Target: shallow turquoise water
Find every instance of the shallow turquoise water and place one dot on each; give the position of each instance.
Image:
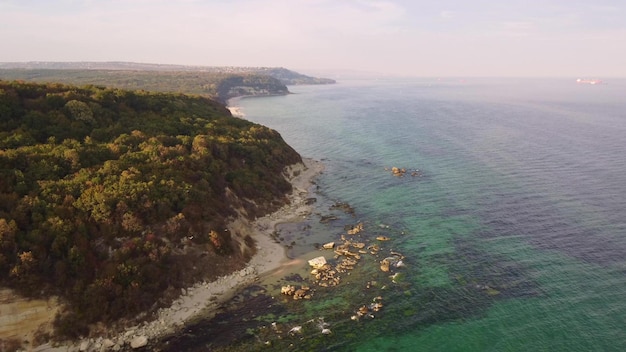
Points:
(514, 234)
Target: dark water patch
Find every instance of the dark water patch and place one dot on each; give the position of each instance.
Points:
(491, 273)
(231, 326)
(546, 224)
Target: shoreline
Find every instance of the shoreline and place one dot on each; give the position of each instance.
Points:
(237, 111)
(204, 298)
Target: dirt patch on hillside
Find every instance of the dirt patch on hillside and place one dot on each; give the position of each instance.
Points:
(27, 321)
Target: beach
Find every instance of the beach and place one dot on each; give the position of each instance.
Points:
(204, 297)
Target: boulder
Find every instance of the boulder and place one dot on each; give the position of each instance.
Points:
(384, 265)
(138, 342)
(318, 262)
(329, 245)
(84, 346)
(108, 343)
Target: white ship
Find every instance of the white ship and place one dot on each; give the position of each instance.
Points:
(588, 81)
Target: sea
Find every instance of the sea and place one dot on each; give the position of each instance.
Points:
(509, 223)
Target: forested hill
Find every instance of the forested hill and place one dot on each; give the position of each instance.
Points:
(113, 199)
(286, 76)
(217, 85)
(221, 83)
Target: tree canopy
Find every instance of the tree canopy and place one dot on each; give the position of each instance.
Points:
(102, 189)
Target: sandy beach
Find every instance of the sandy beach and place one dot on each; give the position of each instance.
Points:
(203, 298)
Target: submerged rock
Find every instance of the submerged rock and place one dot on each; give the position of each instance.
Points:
(356, 229)
(295, 329)
(384, 265)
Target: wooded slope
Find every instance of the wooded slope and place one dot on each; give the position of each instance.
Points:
(106, 195)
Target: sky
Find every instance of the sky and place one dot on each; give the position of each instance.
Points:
(474, 38)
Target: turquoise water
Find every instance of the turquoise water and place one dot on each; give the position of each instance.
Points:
(514, 233)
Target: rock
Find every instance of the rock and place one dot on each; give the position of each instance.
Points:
(376, 306)
(374, 249)
(329, 245)
(384, 265)
(383, 238)
(395, 277)
(138, 342)
(288, 290)
(398, 172)
(318, 262)
(296, 329)
(107, 343)
(328, 218)
(84, 346)
(300, 293)
(356, 229)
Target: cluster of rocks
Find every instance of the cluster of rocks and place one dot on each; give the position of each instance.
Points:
(129, 339)
(368, 310)
(345, 207)
(317, 324)
(325, 275)
(304, 292)
(356, 229)
(400, 172)
(395, 261)
(348, 252)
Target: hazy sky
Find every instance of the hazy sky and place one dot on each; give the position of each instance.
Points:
(416, 37)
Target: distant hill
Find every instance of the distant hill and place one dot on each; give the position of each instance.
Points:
(286, 76)
(216, 85)
(289, 77)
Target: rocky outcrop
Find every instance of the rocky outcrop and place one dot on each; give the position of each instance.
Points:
(249, 85)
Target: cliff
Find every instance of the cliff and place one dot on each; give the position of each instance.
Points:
(249, 85)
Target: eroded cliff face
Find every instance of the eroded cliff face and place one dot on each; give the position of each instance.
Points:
(25, 320)
(250, 85)
(241, 227)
